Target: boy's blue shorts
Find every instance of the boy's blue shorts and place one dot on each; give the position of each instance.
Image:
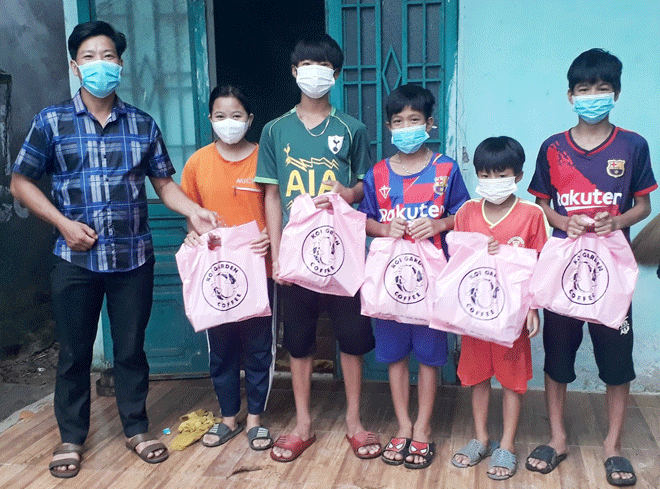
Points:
(395, 341)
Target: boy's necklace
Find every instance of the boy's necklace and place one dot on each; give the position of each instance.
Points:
(425, 158)
(327, 121)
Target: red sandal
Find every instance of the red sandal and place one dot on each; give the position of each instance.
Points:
(294, 444)
(362, 440)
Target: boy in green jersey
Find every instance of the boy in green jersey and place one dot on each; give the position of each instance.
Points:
(315, 148)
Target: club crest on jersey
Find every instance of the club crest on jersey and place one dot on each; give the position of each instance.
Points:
(480, 294)
(224, 285)
(323, 251)
(335, 143)
(586, 278)
(440, 184)
(405, 279)
(516, 241)
(615, 168)
(384, 191)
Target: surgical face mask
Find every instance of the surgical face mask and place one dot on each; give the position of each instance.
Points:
(100, 77)
(409, 139)
(496, 190)
(230, 131)
(315, 80)
(593, 108)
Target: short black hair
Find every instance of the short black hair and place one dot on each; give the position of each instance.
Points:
(229, 91)
(91, 29)
(413, 96)
(499, 153)
(594, 65)
(318, 46)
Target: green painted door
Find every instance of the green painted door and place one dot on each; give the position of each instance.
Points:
(387, 44)
(165, 74)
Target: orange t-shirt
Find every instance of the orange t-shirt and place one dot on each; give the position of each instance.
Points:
(226, 187)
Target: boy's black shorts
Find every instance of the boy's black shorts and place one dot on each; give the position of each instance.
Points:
(300, 309)
(562, 336)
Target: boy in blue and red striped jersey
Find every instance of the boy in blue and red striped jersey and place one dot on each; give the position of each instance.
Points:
(414, 194)
(600, 171)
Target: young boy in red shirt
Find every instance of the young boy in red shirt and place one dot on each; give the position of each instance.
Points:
(509, 220)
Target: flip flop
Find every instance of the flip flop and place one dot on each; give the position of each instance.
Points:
(619, 464)
(548, 455)
(364, 439)
(294, 444)
(475, 452)
(133, 442)
(504, 459)
(223, 432)
(422, 449)
(397, 445)
(68, 473)
(259, 433)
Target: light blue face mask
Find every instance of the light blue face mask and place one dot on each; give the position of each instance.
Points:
(593, 108)
(409, 139)
(100, 77)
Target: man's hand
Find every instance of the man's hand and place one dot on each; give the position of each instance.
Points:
(203, 220)
(493, 246)
(396, 228)
(605, 223)
(276, 274)
(423, 228)
(78, 236)
(532, 322)
(577, 225)
(322, 201)
(260, 245)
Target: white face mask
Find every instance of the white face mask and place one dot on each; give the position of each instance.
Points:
(496, 190)
(230, 131)
(315, 80)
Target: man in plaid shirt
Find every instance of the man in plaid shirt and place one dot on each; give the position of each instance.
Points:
(98, 151)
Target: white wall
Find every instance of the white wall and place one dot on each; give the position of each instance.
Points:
(512, 62)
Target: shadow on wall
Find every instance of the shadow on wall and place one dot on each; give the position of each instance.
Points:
(34, 55)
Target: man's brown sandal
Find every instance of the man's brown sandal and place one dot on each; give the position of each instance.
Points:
(153, 446)
(65, 462)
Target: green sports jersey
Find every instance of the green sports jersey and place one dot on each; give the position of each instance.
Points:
(298, 160)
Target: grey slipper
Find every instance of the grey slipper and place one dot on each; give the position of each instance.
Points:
(505, 459)
(475, 451)
(259, 433)
(223, 432)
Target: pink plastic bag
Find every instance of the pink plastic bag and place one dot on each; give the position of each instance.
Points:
(324, 249)
(401, 272)
(590, 278)
(227, 284)
(481, 295)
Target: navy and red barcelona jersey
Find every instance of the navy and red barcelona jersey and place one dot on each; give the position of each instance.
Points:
(435, 192)
(606, 178)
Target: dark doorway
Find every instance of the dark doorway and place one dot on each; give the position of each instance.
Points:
(253, 42)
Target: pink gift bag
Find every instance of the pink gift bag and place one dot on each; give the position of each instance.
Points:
(590, 278)
(324, 249)
(401, 274)
(481, 295)
(227, 284)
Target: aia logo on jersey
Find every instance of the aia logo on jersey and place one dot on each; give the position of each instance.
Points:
(480, 294)
(384, 191)
(516, 241)
(615, 168)
(323, 251)
(335, 143)
(440, 184)
(585, 279)
(224, 285)
(405, 279)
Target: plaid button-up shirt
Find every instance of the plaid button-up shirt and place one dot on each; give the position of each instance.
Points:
(98, 177)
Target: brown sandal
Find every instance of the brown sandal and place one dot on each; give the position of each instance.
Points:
(133, 442)
(65, 462)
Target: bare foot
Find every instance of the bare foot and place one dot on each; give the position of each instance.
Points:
(302, 431)
(353, 429)
(421, 434)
